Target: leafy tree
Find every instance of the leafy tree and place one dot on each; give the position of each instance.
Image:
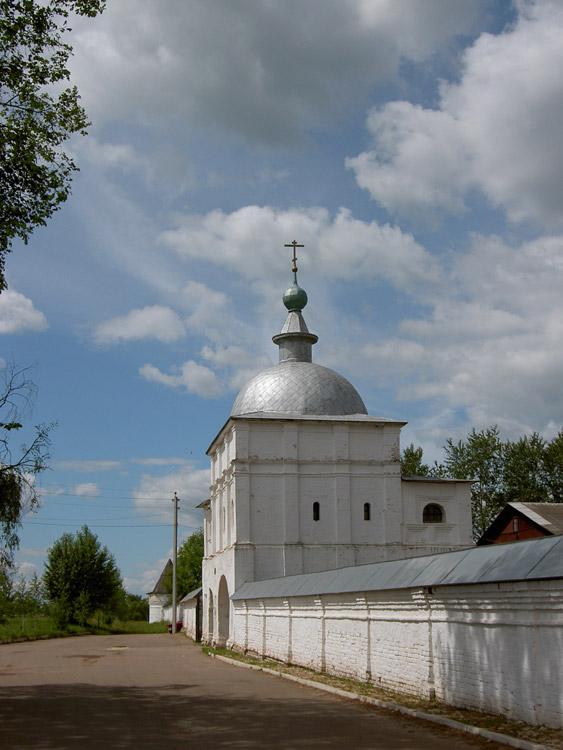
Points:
(36, 114)
(81, 577)
(135, 607)
(18, 469)
(553, 468)
(5, 592)
(412, 465)
(523, 470)
(27, 598)
(19, 598)
(411, 462)
(479, 458)
(188, 565)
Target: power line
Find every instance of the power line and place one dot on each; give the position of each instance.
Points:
(132, 497)
(116, 518)
(108, 526)
(104, 489)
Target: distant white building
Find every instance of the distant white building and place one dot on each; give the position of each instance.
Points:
(159, 598)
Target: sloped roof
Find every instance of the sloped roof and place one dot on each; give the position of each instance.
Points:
(546, 516)
(519, 561)
(549, 515)
(160, 588)
(192, 595)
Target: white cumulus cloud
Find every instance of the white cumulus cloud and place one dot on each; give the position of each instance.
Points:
(497, 129)
(490, 345)
(236, 240)
(264, 71)
(18, 314)
(88, 466)
(155, 493)
(87, 489)
(195, 378)
(153, 322)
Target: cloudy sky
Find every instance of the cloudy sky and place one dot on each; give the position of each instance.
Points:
(413, 147)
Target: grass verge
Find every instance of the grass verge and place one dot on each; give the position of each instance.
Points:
(552, 738)
(31, 628)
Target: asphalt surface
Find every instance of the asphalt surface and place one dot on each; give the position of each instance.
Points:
(161, 691)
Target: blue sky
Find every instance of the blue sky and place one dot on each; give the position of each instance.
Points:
(413, 147)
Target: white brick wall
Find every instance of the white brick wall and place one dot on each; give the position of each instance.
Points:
(190, 611)
(494, 647)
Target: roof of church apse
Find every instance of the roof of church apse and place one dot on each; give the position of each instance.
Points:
(297, 385)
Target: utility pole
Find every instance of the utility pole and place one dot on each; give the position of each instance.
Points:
(174, 561)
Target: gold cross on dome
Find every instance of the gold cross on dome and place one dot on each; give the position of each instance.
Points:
(294, 245)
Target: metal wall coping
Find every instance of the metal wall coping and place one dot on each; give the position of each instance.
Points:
(529, 560)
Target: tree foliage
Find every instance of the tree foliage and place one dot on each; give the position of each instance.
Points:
(18, 467)
(479, 457)
(553, 467)
(20, 597)
(134, 607)
(526, 470)
(81, 577)
(411, 462)
(188, 565)
(413, 466)
(36, 115)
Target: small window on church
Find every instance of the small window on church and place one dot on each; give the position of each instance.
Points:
(316, 511)
(432, 513)
(367, 512)
(515, 525)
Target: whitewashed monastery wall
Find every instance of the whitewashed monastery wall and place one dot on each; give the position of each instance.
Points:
(494, 647)
(189, 618)
(157, 605)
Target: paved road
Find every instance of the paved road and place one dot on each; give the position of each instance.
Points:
(161, 691)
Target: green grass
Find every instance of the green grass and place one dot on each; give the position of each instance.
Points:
(35, 626)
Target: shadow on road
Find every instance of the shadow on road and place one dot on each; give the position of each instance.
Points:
(89, 716)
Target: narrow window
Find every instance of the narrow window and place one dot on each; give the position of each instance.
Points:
(316, 511)
(367, 512)
(515, 524)
(432, 513)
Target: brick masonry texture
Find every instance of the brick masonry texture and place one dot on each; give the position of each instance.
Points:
(493, 647)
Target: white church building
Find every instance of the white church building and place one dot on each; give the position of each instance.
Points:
(303, 479)
(318, 551)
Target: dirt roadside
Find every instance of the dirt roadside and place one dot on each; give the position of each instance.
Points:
(519, 730)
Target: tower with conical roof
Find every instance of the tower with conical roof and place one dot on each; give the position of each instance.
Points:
(303, 479)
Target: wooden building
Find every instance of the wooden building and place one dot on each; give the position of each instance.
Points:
(518, 521)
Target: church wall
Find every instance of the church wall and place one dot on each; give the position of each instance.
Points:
(455, 500)
(268, 561)
(267, 476)
(281, 468)
(266, 508)
(477, 646)
(317, 487)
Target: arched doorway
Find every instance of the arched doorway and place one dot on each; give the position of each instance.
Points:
(223, 607)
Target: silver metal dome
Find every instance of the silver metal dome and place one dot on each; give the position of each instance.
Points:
(299, 388)
(297, 385)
